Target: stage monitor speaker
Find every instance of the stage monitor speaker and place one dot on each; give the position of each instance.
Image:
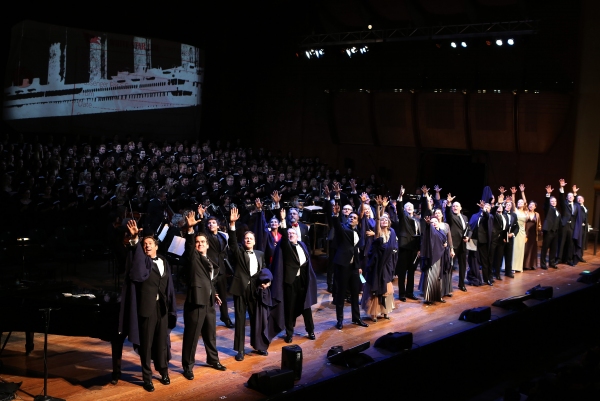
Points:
(588, 277)
(540, 293)
(476, 315)
(291, 358)
(273, 381)
(395, 342)
(513, 303)
(352, 357)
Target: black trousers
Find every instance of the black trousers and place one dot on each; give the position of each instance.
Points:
(293, 298)
(242, 304)
(549, 243)
(346, 279)
(199, 320)
(405, 269)
(153, 343)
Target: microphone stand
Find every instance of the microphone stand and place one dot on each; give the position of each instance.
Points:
(46, 397)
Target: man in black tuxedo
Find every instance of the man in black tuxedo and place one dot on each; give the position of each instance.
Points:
(217, 254)
(408, 228)
(512, 229)
(550, 228)
(199, 315)
(346, 263)
(568, 224)
(248, 264)
(148, 309)
(294, 276)
(460, 232)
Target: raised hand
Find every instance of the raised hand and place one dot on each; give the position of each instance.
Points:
(522, 188)
(450, 198)
(233, 215)
(437, 188)
(275, 196)
(258, 204)
(549, 189)
(133, 228)
(562, 182)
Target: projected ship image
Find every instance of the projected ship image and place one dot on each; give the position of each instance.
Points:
(146, 87)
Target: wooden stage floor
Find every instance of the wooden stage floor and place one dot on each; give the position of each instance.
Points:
(80, 368)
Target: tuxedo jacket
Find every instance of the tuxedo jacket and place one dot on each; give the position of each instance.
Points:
(201, 287)
(241, 275)
(455, 221)
(552, 217)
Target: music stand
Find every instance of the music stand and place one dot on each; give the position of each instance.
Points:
(46, 397)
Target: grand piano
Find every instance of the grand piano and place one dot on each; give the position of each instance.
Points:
(74, 312)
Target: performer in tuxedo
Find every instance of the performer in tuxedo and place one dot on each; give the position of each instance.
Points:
(217, 254)
(569, 230)
(584, 225)
(295, 282)
(199, 315)
(461, 232)
(248, 264)
(408, 228)
(550, 228)
(512, 225)
(346, 263)
(148, 307)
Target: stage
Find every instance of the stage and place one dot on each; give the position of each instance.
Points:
(449, 358)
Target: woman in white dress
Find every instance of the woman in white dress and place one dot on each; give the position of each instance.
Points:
(520, 238)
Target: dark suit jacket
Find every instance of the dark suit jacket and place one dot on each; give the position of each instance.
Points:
(241, 276)
(201, 288)
(456, 227)
(551, 220)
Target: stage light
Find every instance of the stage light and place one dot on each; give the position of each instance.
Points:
(463, 44)
(453, 44)
(510, 42)
(499, 42)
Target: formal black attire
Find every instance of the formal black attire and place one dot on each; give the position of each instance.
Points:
(199, 315)
(346, 265)
(148, 310)
(459, 229)
(550, 229)
(217, 254)
(293, 283)
(243, 288)
(408, 228)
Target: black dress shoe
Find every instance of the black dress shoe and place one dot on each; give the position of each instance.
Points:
(489, 282)
(360, 323)
(403, 299)
(413, 297)
(311, 336)
(188, 374)
(115, 378)
(339, 325)
(218, 366)
(228, 323)
(240, 356)
(260, 352)
(288, 338)
(165, 379)
(149, 387)
(463, 288)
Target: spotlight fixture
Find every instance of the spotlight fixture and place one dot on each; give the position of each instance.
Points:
(314, 53)
(510, 42)
(463, 44)
(453, 44)
(499, 42)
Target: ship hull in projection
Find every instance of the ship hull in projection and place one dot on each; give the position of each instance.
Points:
(145, 88)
